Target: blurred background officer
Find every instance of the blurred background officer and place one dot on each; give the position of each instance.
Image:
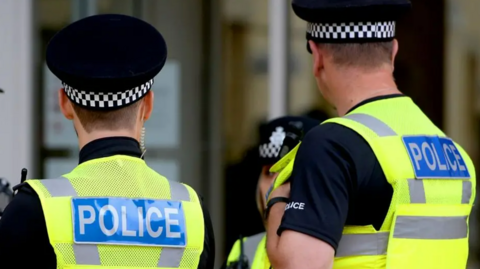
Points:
(242, 180)
(112, 210)
(382, 174)
(272, 136)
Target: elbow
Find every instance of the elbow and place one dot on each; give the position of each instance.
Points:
(275, 262)
(275, 256)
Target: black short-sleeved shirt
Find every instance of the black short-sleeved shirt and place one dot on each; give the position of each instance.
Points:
(336, 181)
(23, 233)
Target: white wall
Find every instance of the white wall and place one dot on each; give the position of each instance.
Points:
(16, 76)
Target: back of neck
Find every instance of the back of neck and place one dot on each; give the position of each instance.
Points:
(360, 87)
(85, 138)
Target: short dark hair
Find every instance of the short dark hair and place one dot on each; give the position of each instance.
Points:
(112, 120)
(367, 55)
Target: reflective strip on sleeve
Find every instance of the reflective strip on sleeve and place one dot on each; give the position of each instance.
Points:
(59, 187)
(374, 124)
(362, 244)
(178, 191)
(431, 227)
(250, 247)
(170, 257)
(86, 254)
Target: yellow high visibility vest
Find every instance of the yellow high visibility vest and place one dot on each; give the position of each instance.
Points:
(254, 249)
(116, 212)
(434, 184)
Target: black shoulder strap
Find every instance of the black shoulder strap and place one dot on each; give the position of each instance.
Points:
(24, 187)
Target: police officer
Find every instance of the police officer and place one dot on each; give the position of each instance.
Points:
(272, 135)
(112, 210)
(380, 186)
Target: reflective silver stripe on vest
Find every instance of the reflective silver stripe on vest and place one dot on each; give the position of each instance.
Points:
(431, 227)
(89, 254)
(417, 191)
(406, 227)
(374, 124)
(86, 254)
(466, 192)
(59, 187)
(170, 257)
(178, 191)
(362, 244)
(250, 247)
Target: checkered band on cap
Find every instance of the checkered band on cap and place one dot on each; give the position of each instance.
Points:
(107, 100)
(351, 31)
(271, 149)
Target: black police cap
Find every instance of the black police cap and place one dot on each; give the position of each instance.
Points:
(106, 61)
(350, 21)
(273, 133)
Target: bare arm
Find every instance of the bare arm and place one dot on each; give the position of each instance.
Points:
(305, 233)
(293, 249)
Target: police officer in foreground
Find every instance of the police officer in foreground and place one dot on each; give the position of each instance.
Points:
(380, 186)
(250, 252)
(112, 210)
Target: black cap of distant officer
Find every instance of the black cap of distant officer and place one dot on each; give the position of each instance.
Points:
(350, 21)
(273, 133)
(106, 62)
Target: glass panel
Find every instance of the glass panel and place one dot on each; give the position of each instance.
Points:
(58, 142)
(53, 14)
(116, 6)
(174, 132)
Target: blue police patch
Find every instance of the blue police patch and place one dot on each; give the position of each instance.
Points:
(122, 221)
(435, 157)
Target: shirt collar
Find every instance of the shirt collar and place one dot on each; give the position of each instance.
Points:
(373, 99)
(110, 146)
